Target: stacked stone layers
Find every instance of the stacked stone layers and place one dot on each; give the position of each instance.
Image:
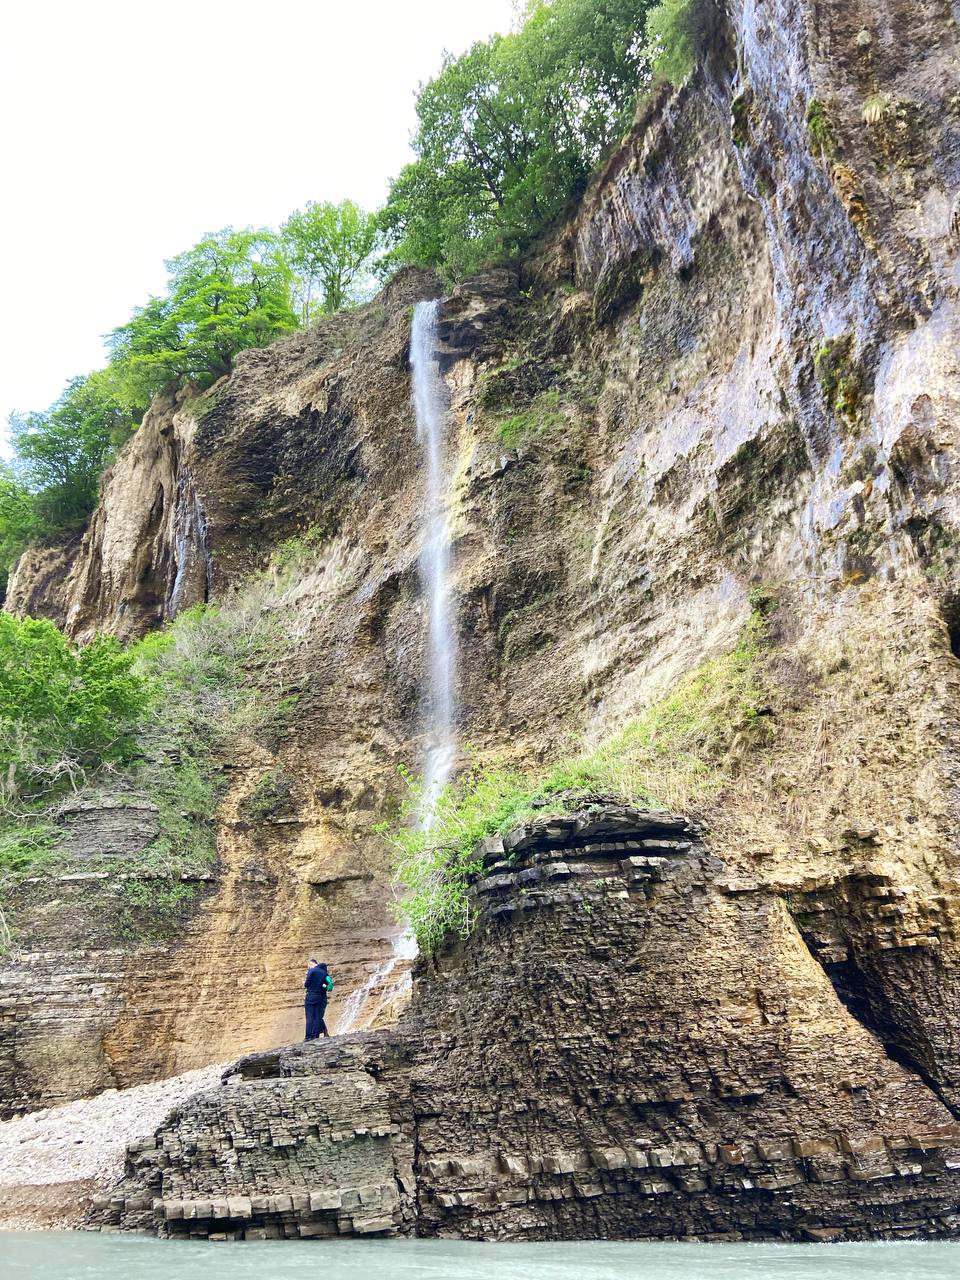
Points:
(269, 1157)
(631, 1043)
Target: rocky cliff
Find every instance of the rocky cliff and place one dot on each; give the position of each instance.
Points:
(632, 1043)
(733, 369)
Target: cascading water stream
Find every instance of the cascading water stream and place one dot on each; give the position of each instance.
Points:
(430, 406)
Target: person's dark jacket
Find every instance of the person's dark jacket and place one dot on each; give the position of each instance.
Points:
(316, 985)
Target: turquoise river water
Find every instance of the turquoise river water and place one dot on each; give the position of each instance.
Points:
(55, 1255)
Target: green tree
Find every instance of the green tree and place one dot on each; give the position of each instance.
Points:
(328, 247)
(60, 454)
(229, 292)
(510, 131)
(18, 520)
(64, 712)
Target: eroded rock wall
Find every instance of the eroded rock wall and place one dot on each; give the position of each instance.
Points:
(633, 1042)
(737, 369)
(145, 555)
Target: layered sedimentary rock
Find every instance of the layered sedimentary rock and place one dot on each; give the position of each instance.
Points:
(633, 1042)
(112, 994)
(145, 555)
(737, 367)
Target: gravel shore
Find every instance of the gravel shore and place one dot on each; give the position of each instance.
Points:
(84, 1141)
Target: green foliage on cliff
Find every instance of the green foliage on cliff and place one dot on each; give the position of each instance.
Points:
(229, 292)
(52, 484)
(26, 846)
(433, 863)
(820, 127)
(203, 670)
(677, 33)
(149, 723)
(328, 248)
(271, 796)
(677, 754)
(543, 416)
(510, 131)
(152, 909)
(65, 711)
(839, 376)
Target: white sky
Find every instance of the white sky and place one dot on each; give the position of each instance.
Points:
(131, 128)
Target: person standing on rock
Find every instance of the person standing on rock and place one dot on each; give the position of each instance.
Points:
(317, 984)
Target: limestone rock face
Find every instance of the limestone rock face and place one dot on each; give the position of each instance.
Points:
(733, 368)
(145, 555)
(632, 1043)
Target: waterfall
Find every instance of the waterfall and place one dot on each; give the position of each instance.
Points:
(193, 566)
(364, 1004)
(381, 988)
(430, 405)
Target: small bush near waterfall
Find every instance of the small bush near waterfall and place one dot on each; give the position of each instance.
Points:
(676, 755)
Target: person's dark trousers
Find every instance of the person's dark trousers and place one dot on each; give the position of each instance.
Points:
(315, 1023)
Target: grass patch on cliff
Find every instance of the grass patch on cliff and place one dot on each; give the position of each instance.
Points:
(26, 846)
(271, 797)
(153, 722)
(152, 910)
(543, 416)
(839, 376)
(206, 669)
(820, 128)
(677, 754)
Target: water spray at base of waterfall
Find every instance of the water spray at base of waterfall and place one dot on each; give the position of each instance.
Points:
(382, 989)
(365, 1005)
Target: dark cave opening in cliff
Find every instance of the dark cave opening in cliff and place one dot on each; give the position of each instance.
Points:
(868, 1003)
(951, 615)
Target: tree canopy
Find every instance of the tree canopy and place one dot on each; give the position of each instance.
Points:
(52, 483)
(510, 131)
(61, 453)
(328, 248)
(229, 292)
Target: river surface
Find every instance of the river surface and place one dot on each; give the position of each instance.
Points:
(65, 1255)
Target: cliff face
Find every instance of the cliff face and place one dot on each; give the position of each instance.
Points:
(145, 555)
(632, 1043)
(734, 367)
